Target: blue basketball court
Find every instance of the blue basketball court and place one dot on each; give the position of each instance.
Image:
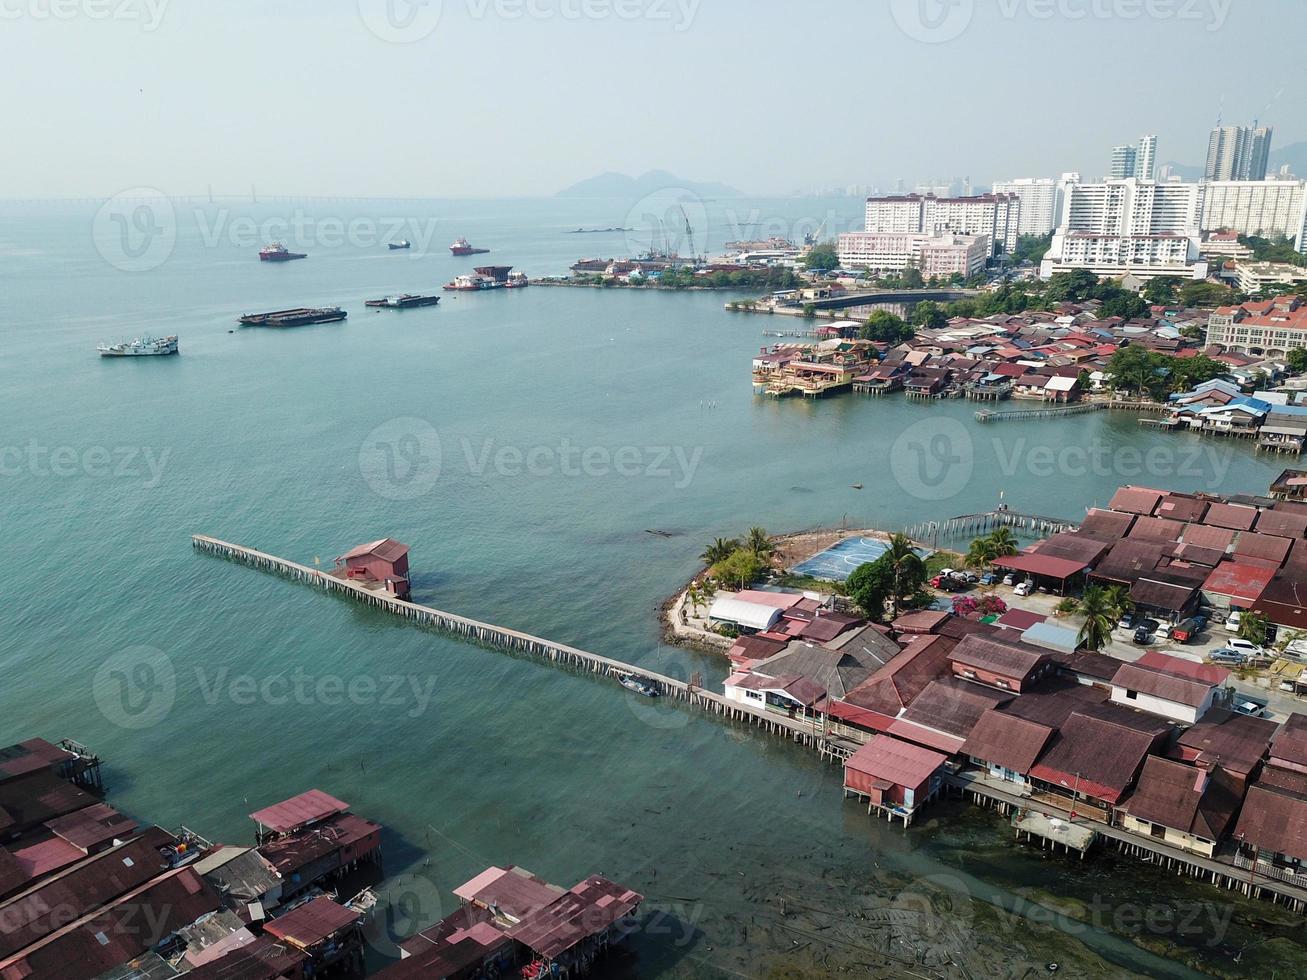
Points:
(837, 562)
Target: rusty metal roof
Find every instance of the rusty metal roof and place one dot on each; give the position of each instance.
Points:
(299, 811)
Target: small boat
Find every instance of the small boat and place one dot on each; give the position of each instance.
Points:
(141, 347)
(402, 243)
(856, 486)
(639, 686)
(277, 252)
(462, 247)
(402, 302)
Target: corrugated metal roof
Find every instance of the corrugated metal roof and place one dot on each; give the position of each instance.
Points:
(312, 923)
(897, 761)
(1045, 565)
(298, 811)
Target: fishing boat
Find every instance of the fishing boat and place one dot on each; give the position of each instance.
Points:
(639, 686)
(141, 347)
(404, 301)
(402, 243)
(277, 252)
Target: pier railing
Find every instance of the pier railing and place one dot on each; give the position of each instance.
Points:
(1058, 411)
(977, 525)
(515, 641)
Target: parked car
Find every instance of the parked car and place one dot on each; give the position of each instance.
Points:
(989, 578)
(1296, 650)
(1246, 705)
(1025, 588)
(1127, 622)
(1227, 657)
(1009, 580)
(1246, 647)
(1143, 636)
(1232, 622)
(1184, 631)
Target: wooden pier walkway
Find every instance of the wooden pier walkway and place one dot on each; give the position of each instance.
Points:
(976, 525)
(804, 732)
(1060, 411)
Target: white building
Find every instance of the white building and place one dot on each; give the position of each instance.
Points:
(1238, 153)
(996, 216)
(934, 255)
(1138, 160)
(1266, 208)
(1129, 227)
(1254, 277)
(1039, 197)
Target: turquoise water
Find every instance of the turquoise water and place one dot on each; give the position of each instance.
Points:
(523, 443)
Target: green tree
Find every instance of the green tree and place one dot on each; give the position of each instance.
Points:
(980, 554)
(885, 327)
(907, 570)
(759, 543)
(823, 257)
(928, 313)
(741, 568)
(719, 550)
(1297, 360)
(1096, 630)
(1162, 290)
(1205, 294)
(912, 278)
(1002, 543)
(1031, 248)
(869, 586)
(1253, 627)
(1118, 598)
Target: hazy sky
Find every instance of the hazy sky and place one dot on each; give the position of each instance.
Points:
(522, 97)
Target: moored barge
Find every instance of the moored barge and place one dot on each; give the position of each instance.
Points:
(277, 252)
(294, 318)
(405, 301)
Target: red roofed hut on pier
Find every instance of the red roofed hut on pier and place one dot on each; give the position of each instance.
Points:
(383, 562)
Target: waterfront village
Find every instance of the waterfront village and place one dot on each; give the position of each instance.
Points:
(88, 892)
(1130, 679)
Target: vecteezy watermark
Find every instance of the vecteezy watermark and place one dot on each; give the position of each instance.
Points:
(138, 688)
(402, 459)
(147, 13)
(135, 688)
(936, 458)
(933, 459)
(1191, 461)
(99, 462)
(304, 230)
(136, 229)
(409, 21)
(940, 21)
(407, 904)
(665, 223)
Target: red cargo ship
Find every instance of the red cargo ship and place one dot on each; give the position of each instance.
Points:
(461, 247)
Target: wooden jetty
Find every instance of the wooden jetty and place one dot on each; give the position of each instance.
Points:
(806, 732)
(976, 525)
(1232, 875)
(1059, 411)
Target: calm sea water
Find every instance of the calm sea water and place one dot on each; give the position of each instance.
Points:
(524, 443)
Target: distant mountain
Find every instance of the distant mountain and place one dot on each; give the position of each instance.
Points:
(612, 185)
(1295, 155)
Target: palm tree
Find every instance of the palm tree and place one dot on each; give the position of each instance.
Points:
(1252, 627)
(719, 550)
(759, 543)
(1096, 631)
(980, 554)
(1118, 596)
(1003, 543)
(909, 569)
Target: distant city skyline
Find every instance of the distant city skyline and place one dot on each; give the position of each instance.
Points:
(498, 98)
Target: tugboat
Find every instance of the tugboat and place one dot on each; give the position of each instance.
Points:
(405, 301)
(277, 252)
(294, 318)
(461, 247)
(402, 243)
(141, 347)
(638, 686)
